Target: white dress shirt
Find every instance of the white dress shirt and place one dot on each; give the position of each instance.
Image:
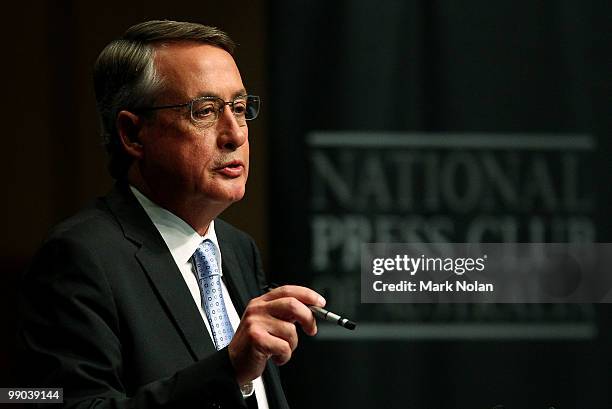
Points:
(182, 241)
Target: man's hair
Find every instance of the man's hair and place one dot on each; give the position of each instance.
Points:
(125, 76)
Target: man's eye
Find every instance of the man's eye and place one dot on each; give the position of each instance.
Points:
(239, 108)
(203, 111)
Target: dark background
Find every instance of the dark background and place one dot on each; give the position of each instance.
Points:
(394, 66)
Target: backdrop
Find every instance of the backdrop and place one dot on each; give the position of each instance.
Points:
(420, 121)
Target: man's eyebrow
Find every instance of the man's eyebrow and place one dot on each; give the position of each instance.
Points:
(212, 94)
(239, 93)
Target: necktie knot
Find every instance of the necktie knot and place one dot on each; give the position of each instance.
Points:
(206, 259)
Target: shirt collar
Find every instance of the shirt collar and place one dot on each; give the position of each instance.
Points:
(182, 240)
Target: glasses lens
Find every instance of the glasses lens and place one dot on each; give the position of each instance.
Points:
(252, 107)
(204, 111)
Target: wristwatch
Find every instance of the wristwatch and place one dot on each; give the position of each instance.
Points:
(247, 389)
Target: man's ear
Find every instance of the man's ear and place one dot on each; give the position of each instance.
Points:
(129, 127)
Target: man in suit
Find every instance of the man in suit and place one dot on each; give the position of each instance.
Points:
(146, 299)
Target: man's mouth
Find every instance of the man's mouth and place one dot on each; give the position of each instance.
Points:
(231, 169)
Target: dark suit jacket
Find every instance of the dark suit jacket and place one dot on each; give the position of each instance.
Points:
(107, 315)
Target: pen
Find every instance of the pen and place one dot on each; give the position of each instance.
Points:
(324, 314)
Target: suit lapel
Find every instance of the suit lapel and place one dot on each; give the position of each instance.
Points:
(174, 294)
(233, 277)
(160, 268)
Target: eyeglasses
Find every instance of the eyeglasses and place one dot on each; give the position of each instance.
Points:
(205, 110)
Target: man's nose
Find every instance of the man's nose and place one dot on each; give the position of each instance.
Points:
(231, 135)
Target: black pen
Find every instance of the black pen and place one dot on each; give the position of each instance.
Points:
(324, 314)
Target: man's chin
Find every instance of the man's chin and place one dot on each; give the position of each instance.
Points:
(223, 192)
(234, 195)
(237, 198)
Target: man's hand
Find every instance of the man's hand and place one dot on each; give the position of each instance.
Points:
(267, 329)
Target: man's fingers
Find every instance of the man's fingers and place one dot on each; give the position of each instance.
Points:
(291, 310)
(278, 348)
(284, 330)
(302, 294)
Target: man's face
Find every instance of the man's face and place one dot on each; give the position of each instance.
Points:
(191, 162)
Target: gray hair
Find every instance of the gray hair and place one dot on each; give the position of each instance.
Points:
(125, 76)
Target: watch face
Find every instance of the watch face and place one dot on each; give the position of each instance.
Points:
(247, 389)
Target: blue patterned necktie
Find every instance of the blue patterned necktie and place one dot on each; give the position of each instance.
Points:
(209, 280)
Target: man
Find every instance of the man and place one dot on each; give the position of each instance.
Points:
(124, 306)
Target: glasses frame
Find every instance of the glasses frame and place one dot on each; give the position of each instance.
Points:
(208, 98)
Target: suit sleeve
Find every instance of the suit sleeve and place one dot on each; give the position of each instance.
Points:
(70, 337)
